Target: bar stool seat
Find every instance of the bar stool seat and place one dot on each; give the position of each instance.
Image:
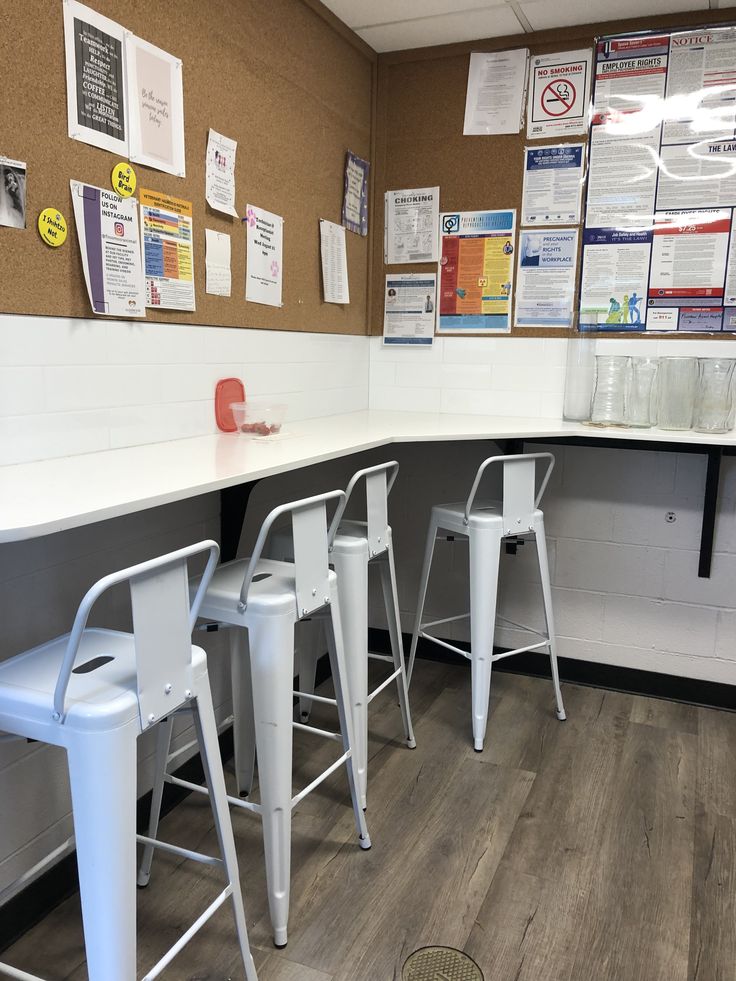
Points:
(93, 692)
(485, 523)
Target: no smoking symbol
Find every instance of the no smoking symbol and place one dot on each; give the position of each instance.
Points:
(558, 97)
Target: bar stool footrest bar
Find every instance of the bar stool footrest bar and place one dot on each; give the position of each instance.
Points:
(335, 736)
(318, 780)
(186, 937)
(384, 684)
(178, 850)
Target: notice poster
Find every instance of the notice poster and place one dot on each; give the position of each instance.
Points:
(264, 256)
(630, 74)
(109, 243)
(545, 288)
(355, 194)
(156, 106)
(408, 309)
(476, 272)
(411, 225)
(12, 193)
(220, 173)
(334, 262)
(553, 184)
(701, 98)
(168, 252)
(614, 279)
(494, 102)
(559, 94)
(95, 78)
(622, 176)
(217, 263)
(688, 268)
(699, 175)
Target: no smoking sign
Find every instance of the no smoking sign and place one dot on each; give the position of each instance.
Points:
(558, 94)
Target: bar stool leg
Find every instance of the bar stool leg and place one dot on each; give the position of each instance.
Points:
(351, 567)
(309, 649)
(337, 663)
(204, 722)
(272, 672)
(102, 774)
(485, 551)
(163, 744)
(244, 737)
(423, 582)
(393, 617)
(541, 543)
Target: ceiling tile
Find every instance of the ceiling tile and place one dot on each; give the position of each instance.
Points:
(545, 14)
(445, 29)
(358, 13)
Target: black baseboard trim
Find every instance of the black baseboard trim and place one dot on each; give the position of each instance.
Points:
(60, 881)
(710, 694)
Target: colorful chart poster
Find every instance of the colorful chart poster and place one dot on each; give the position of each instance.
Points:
(109, 243)
(408, 309)
(168, 252)
(658, 243)
(95, 78)
(476, 272)
(264, 256)
(355, 194)
(156, 106)
(494, 101)
(559, 94)
(411, 225)
(220, 173)
(553, 184)
(545, 288)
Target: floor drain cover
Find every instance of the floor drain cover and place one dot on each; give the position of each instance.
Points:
(440, 964)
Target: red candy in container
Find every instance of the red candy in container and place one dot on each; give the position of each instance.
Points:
(258, 417)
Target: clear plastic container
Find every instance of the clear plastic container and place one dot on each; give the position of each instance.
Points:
(641, 406)
(611, 372)
(258, 417)
(677, 381)
(714, 399)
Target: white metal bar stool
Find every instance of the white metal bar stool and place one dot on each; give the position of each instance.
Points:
(485, 525)
(123, 684)
(355, 547)
(265, 599)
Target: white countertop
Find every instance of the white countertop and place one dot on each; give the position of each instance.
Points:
(53, 495)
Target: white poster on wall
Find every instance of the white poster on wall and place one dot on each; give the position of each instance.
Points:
(411, 227)
(334, 257)
(156, 106)
(264, 256)
(220, 173)
(494, 102)
(553, 184)
(408, 309)
(545, 285)
(95, 78)
(559, 94)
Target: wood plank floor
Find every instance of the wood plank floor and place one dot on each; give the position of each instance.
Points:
(599, 849)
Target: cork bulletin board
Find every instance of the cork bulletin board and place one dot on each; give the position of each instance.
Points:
(420, 106)
(284, 78)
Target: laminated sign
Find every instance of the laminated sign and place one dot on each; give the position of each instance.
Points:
(559, 94)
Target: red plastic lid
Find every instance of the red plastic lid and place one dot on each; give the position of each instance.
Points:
(227, 391)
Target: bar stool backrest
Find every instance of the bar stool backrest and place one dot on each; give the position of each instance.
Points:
(378, 483)
(520, 497)
(163, 620)
(311, 554)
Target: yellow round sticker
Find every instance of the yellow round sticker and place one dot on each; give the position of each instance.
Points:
(123, 179)
(52, 227)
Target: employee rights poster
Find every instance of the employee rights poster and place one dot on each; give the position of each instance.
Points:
(476, 272)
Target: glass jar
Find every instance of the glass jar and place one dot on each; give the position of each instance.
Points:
(579, 375)
(640, 409)
(714, 398)
(609, 394)
(678, 379)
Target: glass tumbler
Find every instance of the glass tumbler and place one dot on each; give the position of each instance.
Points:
(579, 375)
(714, 398)
(609, 395)
(640, 393)
(678, 379)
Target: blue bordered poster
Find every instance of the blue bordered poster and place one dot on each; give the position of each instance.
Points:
(355, 194)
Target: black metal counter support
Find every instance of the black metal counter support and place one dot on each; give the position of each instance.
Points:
(233, 502)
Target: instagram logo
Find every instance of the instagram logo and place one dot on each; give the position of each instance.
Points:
(119, 229)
